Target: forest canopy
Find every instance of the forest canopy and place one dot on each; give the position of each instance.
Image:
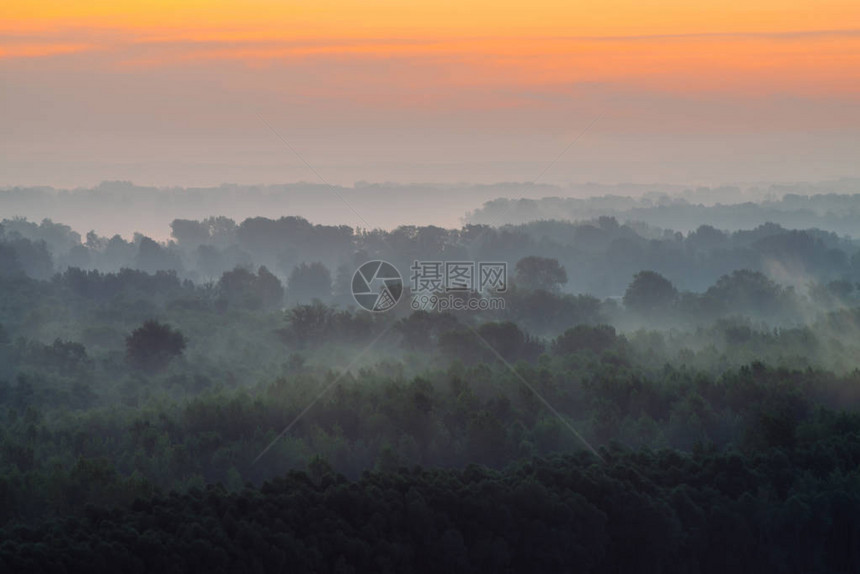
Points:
(643, 399)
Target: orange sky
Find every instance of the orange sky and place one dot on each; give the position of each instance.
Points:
(339, 18)
(147, 71)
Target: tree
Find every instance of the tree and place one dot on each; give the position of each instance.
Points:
(189, 233)
(152, 257)
(510, 341)
(583, 337)
(153, 345)
(545, 273)
(744, 291)
(10, 265)
(22, 255)
(464, 345)
(269, 288)
(706, 238)
(222, 230)
(308, 282)
(65, 356)
(549, 313)
(650, 293)
(308, 324)
(243, 288)
(421, 329)
(94, 242)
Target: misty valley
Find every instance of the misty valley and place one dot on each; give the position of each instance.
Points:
(423, 287)
(640, 399)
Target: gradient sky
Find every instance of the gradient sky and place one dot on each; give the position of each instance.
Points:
(188, 93)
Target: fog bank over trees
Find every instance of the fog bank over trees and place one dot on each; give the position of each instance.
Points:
(833, 206)
(161, 394)
(120, 207)
(598, 257)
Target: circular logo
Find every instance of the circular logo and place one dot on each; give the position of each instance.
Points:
(377, 286)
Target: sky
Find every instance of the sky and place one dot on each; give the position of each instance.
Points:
(263, 91)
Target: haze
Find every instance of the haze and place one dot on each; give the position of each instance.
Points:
(422, 287)
(190, 93)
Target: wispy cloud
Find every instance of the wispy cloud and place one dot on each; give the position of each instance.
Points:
(43, 50)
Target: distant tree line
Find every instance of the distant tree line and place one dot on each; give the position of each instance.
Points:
(597, 257)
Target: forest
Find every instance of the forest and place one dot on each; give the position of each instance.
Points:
(429, 287)
(646, 399)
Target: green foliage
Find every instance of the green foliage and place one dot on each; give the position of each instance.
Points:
(534, 272)
(650, 293)
(308, 282)
(736, 426)
(585, 338)
(240, 287)
(645, 511)
(153, 345)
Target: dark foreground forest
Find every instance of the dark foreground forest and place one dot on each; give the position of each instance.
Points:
(645, 401)
(771, 510)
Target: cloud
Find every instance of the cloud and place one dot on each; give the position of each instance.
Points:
(42, 50)
(804, 64)
(156, 93)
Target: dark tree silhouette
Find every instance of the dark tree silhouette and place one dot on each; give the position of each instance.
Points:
(308, 324)
(152, 257)
(582, 337)
(744, 291)
(650, 293)
(188, 232)
(240, 287)
(153, 345)
(545, 273)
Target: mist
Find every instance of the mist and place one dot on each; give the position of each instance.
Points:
(121, 207)
(430, 287)
(158, 343)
